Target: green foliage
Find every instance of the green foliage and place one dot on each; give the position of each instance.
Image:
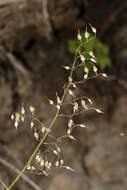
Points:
(100, 49)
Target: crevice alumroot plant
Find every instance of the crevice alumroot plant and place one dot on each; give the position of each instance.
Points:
(42, 161)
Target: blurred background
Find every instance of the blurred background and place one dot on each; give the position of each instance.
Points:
(37, 38)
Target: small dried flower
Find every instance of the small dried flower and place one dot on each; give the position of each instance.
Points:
(82, 57)
(43, 129)
(22, 118)
(87, 35)
(46, 163)
(28, 167)
(67, 67)
(48, 130)
(70, 79)
(74, 85)
(61, 161)
(90, 101)
(82, 126)
(58, 149)
(72, 137)
(91, 54)
(94, 68)
(69, 168)
(69, 131)
(36, 135)
(37, 157)
(58, 106)
(33, 168)
(12, 117)
(16, 124)
(44, 172)
(93, 60)
(32, 109)
(42, 162)
(76, 107)
(122, 134)
(23, 110)
(70, 123)
(71, 92)
(93, 29)
(57, 163)
(86, 76)
(99, 111)
(51, 102)
(104, 75)
(58, 100)
(83, 103)
(31, 124)
(55, 152)
(79, 37)
(86, 69)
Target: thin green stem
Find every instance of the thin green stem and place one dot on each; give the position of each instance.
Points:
(47, 131)
(40, 143)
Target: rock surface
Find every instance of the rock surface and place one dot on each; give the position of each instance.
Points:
(32, 54)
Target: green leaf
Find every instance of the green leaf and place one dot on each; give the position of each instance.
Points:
(100, 49)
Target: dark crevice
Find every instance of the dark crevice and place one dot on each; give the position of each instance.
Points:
(4, 70)
(23, 60)
(15, 95)
(81, 10)
(14, 84)
(8, 72)
(31, 42)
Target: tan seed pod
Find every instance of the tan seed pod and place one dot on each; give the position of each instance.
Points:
(23, 110)
(58, 100)
(51, 102)
(61, 162)
(33, 168)
(46, 163)
(37, 157)
(67, 67)
(86, 76)
(36, 135)
(43, 129)
(79, 37)
(32, 109)
(82, 57)
(70, 79)
(83, 103)
(87, 35)
(70, 123)
(28, 167)
(58, 106)
(31, 124)
(12, 117)
(99, 111)
(75, 108)
(16, 124)
(94, 68)
(57, 163)
(71, 92)
(69, 131)
(42, 162)
(58, 149)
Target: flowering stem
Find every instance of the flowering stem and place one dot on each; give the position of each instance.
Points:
(47, 131)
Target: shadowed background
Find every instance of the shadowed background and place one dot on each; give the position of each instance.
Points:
(34, 38)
